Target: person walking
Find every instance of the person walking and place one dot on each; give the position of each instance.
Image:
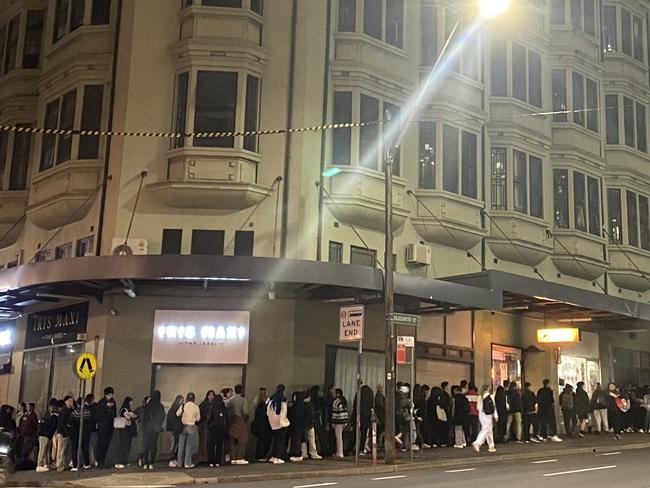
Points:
(473, 415)
(175, 426)
(63, 430)
(238, 430)
(514, 413)
(599, 401)
(276, 410)
(151, 422)
(501, 404)
(460, 413)
(529, 410)
(217, 430)
(126, 430)
(567, 405)
(190, 415)
(339, 420)
(105, 412)
(546, 412)
(46, 430)
(487, 415)
(261, 428)
(582, 408)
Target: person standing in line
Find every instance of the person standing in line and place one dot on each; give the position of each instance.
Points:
(298, 415)
(217, 424)
(238, 430)
(139, 439)
(514, 414)
(190, 415)
(433, 412)
(599, 403)
(46, 430)
(91, 406)
(473, 415)
(21, 410)
(175, 426)
(487, 415)
(151, 422)
(276, 410)
(367, 399)
(126, 432)
(546, 412)
(445, 404)
(379, 405)
(501, 404)
(309, 447)
(105, 415)
(582, 408)
(77, 420)
(646, 405)
(260, 427)
(330, 442)
(28, 432)
(63, 430)
(615, 409)
(567, 405)
(461, 410)
(339, 420)
(204, 408)
(529, 408)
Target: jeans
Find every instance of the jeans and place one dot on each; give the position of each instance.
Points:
(548, 423)
(338, 432)
(263, 445)
(514, 418)
(44, 447)
(297, 435)
(474, 427)
(310, 435)
(459, 436)
(62, 452)
(188, 439)
(104, 434)
(487, 431)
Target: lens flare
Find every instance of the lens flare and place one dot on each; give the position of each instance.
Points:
(493, 8)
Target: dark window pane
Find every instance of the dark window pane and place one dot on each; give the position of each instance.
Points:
(644, 223)
(257, 6)
(49, 140)
(450, 159)
(536, 187)
(64, 251)
(429, 30)
(244, 242)
(77, 14)
(101, 12)
(12, 44)
(610, 43)
(499, 69)
(33, 39)
(535, 78)
(372, 14)
(593, 195)
(611, 113)
(222, 3)
(578, 99)
(64, 147)
(576, 14)
(369, 134)
(342, 138)
(60, 19)
(614, 216)
(632, 224)
(86, 246)
(362, 256)
(335, 252)
(520, 181)
(637, 37)
(171, 241)
(590, 17)
(579, 201)
(561, 198)
(592, 105)
(4, 147)
(641, 135)
(519, 72)
(347, 15)
(180, 116)
(3, 39)
(558, 12)
(207, 242)
(628, 118)
(559, 95)
(395, 22)
(250, 118)
(499, 179)
(392, 111)
(427, 158)
(216, 102)
(469, 163)
(91, 119)
(626, 31)
(20, 161)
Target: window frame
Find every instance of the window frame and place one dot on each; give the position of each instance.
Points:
(371, 254)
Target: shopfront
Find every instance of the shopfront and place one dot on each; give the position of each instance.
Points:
(580, 362)
(506, 365)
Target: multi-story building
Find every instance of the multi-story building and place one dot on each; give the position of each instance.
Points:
(520, 190)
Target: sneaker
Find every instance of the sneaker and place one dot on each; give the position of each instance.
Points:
(190, 466)
(581, 435)
(459, 447)
(539, 437)
(87, 467)
(278, 461)
(42, 469)
(476, 447)
(415, 447)
(262, 460)
(295, 459)
(212, 465)
(535, 440)
(426, 446)
(316, 457)
(119, 466)
(555, 438)
(242, 461)
(173, 463)
(492, 449)
(617, 437)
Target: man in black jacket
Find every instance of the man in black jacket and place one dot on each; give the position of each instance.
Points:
(546, 412)
(63, 431)
(105, 413)
(514, 414)
(529, 407)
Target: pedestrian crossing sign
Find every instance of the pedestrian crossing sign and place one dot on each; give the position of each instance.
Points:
(85, 366)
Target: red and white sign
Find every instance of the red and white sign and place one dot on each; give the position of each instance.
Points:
(351, 323)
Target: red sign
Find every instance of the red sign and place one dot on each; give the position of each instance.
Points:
(401, 354)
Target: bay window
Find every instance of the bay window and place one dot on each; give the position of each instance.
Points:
(525, 69)
(527, 182)
(347, 15)
(499, 69)
(634, 122)
(584, 96)
(342, 138)
(499, 179)
(632, 219)
(459, 161)
(615, 216)
(427, 155)
(382, 19)
(69, 15)
(623, 28)
(644, 223)
(610, 30)
(586, 201)
(33, 39)
(581, 12)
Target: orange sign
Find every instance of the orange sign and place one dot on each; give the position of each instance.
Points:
(557, 336)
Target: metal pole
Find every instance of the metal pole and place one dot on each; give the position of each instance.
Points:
(81, 429)
(389, 359)
(412, 424)
(358, 419)
(373, 424)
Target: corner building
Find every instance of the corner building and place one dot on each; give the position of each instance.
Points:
(520, 192)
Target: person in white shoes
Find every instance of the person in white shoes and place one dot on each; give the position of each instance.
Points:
(276, 410)
(487, 416)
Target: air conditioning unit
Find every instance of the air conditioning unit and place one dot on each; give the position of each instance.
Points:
(418, 255)
(133, 247)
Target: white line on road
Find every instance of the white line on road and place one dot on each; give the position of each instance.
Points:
(460, 470)
(318, 484)
(611, 453)
(389, 477)
(599, 468)
(544, 461)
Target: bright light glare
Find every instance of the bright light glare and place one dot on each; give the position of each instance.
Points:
(331, 172)
(493, 8)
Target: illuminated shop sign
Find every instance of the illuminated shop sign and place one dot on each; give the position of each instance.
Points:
(558, 336)
(200, 337)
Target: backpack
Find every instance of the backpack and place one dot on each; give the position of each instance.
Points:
(488, 405)
(567, 401)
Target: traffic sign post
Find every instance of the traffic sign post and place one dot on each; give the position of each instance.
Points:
(85, 368)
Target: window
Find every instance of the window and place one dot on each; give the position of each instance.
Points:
(632, 35)
(593, 200)
(610, 43)
(41, 256)
(535, 78)
(244, 242)
(641, 134)
(611, 119)
(592, 104)
(637, 38)
(395, 22)
(86, 246)
(250, 116)
(453, 62)
(49, 140)
(216, 102)
(585, 97)
(12, 44)
(257, 6)
(3, 38)
(335, 252)
(429, 32)
(77, 14)
(558, 12)
(614, 216)
(561, 198)
(450, 159)
(499, 179)
(171, 241)
(347, 15)
(634, 123)
(207, 242)
(66, 121)
(64, 251)
(520, 181)
(578, 99)
(181, 109)
(342, 138)
(362, 256)
(68, 16)
(33, 38)
(91, 119)
(632, 215)
(559, 95)
(222, 3)
(644, 223)
(626, 31)
(372, 14)
(628, 120)
(101, 12)
(579, 202)
(536, 187)
(589, 11)
(576, 14)
(469, 163)
(20, 161)
(369, 134)
(499, 69)
(392, 111)
(519, 72)
(427, 155)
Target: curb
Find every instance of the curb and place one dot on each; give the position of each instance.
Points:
(352, 471)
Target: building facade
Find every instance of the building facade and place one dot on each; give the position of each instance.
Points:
(520, 190)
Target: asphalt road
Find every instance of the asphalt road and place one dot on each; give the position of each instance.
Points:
(628, 469)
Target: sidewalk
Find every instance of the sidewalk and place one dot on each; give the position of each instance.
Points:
(427, 459)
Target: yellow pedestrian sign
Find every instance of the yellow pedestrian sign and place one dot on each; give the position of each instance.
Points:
(85, 366)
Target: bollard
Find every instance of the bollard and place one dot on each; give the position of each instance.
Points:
(373, 436)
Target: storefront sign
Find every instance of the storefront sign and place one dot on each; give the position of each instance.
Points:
(558, 336)
(57, 326)
(200, 337)
(351, 323)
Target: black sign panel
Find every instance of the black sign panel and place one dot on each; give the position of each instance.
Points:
(57, 326)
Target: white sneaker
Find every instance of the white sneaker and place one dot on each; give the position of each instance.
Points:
(492, 449)
(74, 470)
(42, 469)
(119, 466)
(278, 461)
(556, 439)
(173, 464)
(239, 461)
(415, 447)
(426, 446)
(295, 459)
(318, 457)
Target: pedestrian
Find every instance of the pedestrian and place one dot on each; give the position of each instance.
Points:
(646, 405)
(403, 411)
(380, 411)
(330, 442)
(433, 407)
(204, 408)
(217, 430)
(126, 430)
(487, 415)
(582, 408)
(151, 422)
(314, 433)
(367, 400)
(139, 440)
(77, 421)
(501, 404)
(567, 405)
(514, 413)
(599, 401)
(91, 406)
(616, 407)
(238, 429)
(309, 445)
(276, 410)
(529, 410)
(105, 413)
(298, 415)
(339, 420)
(63, 430)
(460, 416)
(46, 429)
(190, 415)
(445, 404)
(546, 412)
(260, 427)
(473, 415)
(28, 434)
(20, 411)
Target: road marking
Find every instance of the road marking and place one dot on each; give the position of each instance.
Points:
(544, 461)
(389, 477)
(460, 470)
(599, 468)
(314, 486)
(611, 453)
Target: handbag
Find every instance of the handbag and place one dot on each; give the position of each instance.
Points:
(441, 414)
(120, 423)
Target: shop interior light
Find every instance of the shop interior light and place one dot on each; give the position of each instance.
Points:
(5, 338)
(567, 335)
(493, 8)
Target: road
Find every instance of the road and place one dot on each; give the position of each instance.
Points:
(629, 469)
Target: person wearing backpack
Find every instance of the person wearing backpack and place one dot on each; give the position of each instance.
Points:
(487, 416)
(567, 405)
(599, 402)
(529, 407)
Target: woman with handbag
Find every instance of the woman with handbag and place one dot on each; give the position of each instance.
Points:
(190, 415)
(126, 430)
(151, 425)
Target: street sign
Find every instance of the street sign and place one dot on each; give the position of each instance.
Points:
(401, 354)
(406, 341)
(351, 323)
(406, 319)
(85, 366)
